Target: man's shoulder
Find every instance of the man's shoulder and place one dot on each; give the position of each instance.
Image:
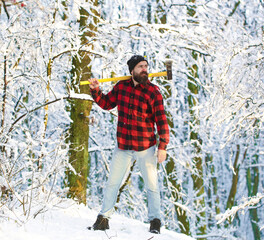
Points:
(122, 83)
(154, 88)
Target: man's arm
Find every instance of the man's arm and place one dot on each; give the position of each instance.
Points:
(107, 101)
(162, 126)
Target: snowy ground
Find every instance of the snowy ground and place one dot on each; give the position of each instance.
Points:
(70, 224)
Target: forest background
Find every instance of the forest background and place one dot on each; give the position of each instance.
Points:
(56, 143)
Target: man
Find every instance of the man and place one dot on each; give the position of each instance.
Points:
(140, 108)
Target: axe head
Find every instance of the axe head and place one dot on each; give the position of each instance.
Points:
(169, 69)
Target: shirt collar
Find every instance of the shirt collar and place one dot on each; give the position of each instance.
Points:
(139, 85)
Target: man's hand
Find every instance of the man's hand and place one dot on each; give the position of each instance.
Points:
(161, 155)
(94, 83)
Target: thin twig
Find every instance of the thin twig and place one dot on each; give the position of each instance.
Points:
(4, 97)
(111, 236)
(37, 108)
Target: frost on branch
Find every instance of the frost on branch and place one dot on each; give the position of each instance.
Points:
(248, 203)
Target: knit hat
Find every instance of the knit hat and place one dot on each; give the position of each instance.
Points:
(134, 60)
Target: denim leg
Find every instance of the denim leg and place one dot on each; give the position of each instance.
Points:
(147, 162)
(119, 167)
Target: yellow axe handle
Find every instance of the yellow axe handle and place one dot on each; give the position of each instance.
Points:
(158, 74)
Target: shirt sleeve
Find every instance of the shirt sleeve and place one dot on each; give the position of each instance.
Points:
(105, 101)
(161, 121)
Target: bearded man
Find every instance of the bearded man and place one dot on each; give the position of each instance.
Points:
(140, 114)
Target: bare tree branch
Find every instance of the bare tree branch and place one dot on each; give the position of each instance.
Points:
(4, 5)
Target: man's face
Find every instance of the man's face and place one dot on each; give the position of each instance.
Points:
(140, 72)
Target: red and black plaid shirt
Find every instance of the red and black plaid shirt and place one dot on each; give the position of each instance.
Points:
(139, 109)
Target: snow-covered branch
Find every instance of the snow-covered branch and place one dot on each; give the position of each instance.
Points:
(251, 202)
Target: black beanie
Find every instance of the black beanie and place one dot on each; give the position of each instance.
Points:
(134, 60)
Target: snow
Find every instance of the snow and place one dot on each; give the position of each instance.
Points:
(70, 220)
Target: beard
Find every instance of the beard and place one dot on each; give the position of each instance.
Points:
(141, 78)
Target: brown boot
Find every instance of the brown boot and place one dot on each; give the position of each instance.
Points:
(155, 226)
(101, 223)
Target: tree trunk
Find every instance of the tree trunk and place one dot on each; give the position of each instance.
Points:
(252, 184)
(233, 189)
(253, 179)
(198, 182)
(80, 111)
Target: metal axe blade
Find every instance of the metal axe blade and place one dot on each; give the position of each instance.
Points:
(169, 68)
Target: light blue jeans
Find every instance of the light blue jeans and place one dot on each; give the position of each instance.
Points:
(120, 166)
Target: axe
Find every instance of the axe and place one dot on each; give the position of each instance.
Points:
(167, 73)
